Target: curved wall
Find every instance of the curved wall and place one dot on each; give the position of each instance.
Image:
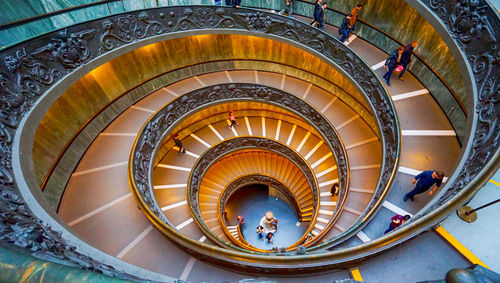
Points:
(107, 82)
(405, 24)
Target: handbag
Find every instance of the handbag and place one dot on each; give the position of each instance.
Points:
(399, 68)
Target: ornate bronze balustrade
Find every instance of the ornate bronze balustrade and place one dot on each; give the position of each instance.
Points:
(222, 149)
(33, 69)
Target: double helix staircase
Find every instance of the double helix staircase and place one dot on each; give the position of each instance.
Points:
(98, 206)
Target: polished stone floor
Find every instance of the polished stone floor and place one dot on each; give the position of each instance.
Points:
(252, 202)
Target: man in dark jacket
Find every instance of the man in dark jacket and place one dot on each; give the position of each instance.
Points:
(392, 62)
(406, 58)
(317, 11)
(425, 180)
(345, 28)
(321, 16)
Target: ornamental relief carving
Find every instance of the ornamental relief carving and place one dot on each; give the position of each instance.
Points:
(27, 71)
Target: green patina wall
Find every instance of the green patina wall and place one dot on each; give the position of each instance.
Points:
(395, 17)
(405, 24)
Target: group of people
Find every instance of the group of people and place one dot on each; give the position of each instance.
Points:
(399, 61)
(424, 182)
(348, 23)
(262, 232)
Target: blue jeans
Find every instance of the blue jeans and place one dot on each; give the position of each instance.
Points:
(417, 190)
(321, 25)
(289, 8)
(345, 35)
(388, 75)
(405, 66)
(389, 230)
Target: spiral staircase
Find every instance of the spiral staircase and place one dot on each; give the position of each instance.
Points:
(90, 113)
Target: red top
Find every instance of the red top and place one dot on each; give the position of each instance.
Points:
(397, 220)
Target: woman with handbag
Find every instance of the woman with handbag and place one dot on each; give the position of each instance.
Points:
(393, 62)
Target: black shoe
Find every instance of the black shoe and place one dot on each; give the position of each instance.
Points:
(411, 198)
(405, 198)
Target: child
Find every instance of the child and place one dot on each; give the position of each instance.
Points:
(260, 231)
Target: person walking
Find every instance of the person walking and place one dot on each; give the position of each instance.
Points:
(317, 8)
(396, 221)
(288, 8)
(406, 57)
(232, 119)
(354, 16)
(394, 61)
(334, 190)
(345, 28)
(179, 144)
(425, 180)
(270, 237)
(321, 16)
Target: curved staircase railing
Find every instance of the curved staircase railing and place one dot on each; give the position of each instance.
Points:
(212, 155)
(25, 78)
(26, 75)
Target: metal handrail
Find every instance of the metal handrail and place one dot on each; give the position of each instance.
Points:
(91, 119)
(457, 99)
(477, 165)
(372, 87)
(244, 243)
(194, 206)
(83, 6)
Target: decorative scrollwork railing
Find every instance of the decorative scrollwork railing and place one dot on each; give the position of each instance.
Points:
(43, 66)
(160, 125)
(222, 149)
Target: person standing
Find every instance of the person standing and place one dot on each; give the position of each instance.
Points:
(288, 8)
(317, 8)
(396, 221)
(406, 57)
(179, 144)
(345, 28)
(274, 222)
(321, 16)
(425, 180)
(392, 62)
(232, 119)
(240, 219)
(260, 231)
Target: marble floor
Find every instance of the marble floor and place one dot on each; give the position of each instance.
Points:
(252, 202)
